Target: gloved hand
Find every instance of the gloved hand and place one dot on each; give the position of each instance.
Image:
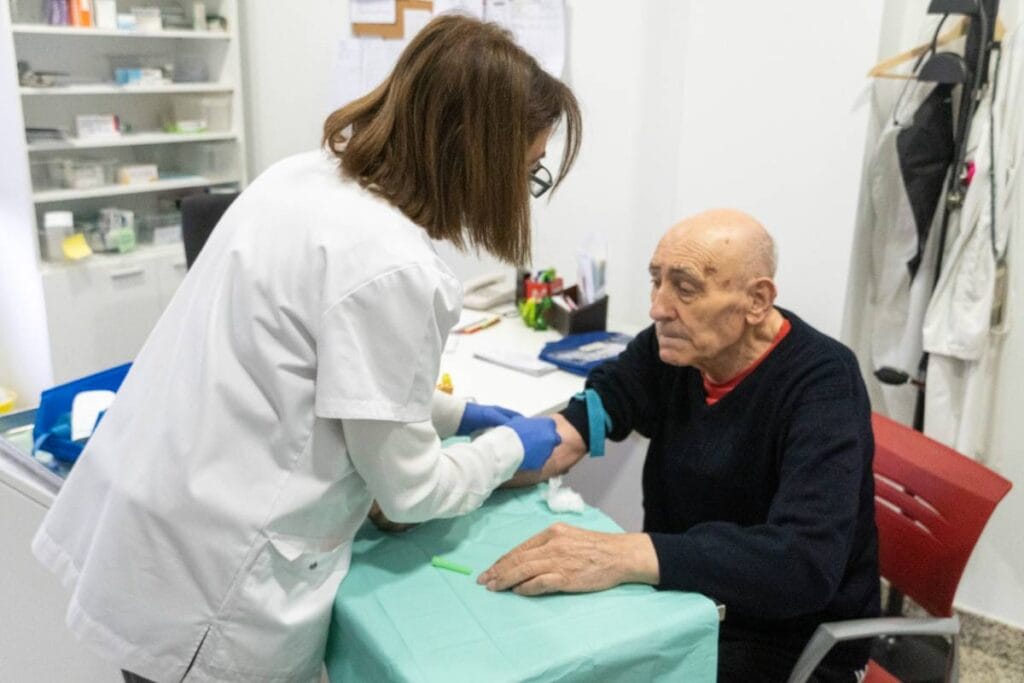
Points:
(477, 417)
(539, 438)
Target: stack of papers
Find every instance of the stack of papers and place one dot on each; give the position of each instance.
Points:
(516, 360)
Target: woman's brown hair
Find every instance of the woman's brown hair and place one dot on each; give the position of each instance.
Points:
(444, 138)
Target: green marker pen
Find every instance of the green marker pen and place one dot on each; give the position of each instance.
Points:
(442, 563)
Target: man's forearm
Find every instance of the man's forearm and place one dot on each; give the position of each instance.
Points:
(565, 455)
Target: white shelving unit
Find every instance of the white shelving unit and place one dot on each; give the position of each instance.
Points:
(183, 183)
(98, 312)
(131, 140)
(87, 33)
(111, 89)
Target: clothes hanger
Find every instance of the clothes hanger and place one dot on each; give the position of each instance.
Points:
(884, 69)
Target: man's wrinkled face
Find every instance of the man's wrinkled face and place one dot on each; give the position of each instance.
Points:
(697, 299)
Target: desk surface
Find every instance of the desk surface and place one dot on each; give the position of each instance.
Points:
(397, 618)
(489, 383)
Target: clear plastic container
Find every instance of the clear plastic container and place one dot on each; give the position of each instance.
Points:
(114, 230)
(217, 112)
(191, 68)
(129, 70)
(73, 173)
(212, 160)
(83, 174)
(186, 116)
(159, 227)
(44, 175)
(147, 19)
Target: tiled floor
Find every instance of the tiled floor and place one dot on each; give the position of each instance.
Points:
(978, 666)
(990, 652)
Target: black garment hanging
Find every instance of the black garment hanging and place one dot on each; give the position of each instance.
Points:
(925, 150)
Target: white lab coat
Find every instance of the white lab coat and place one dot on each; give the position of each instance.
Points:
(957, 330)
(289, 382)
(897, 302)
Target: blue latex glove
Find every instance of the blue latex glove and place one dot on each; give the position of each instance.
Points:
(539, 438)
(477, 417)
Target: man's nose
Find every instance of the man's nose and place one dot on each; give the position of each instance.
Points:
(660, 310)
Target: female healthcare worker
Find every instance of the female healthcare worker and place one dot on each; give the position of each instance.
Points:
(207, 526)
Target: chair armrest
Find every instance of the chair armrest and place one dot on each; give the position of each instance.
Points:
(827, 635)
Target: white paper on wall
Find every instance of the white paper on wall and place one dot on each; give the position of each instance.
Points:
(362, 63)
(538, 27)
(415, 20)
(372, 11)
(474, 8)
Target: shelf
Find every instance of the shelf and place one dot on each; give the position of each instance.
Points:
(130, 140)
(140, 253)
(49, 196)
(111, 89)
(63, 31)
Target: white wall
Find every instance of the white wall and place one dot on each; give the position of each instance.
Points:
(22, 313)
(775, 124)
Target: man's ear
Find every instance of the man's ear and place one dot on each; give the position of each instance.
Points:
(761, 292)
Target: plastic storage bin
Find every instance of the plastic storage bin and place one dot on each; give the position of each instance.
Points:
(52, 431)
(159, 228)
(217, 111)
(74, 173)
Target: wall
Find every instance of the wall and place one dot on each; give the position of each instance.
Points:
(22, 313)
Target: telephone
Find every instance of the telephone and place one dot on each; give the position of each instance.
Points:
(487, 291)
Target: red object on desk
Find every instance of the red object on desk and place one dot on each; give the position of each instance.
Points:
(540, 290)
(482, 325)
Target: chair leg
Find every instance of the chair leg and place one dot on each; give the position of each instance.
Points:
(894, 603)
(953, 672)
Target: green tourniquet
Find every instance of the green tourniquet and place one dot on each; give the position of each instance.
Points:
(442, 563)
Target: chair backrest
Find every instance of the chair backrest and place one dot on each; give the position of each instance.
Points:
(931, 505)
(199, 214)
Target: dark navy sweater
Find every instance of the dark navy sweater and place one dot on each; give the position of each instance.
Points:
(765, 500)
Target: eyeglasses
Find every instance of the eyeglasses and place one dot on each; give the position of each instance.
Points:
(540, 181)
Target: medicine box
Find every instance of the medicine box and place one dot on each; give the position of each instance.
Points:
(134, 174)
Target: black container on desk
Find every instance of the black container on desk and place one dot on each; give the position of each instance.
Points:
(592, 317)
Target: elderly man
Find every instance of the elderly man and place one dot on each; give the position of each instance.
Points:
(757, 487)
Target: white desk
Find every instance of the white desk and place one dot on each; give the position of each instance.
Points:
(489, 383)
(611, 483)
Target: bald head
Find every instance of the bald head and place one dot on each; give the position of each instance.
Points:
(733, 244)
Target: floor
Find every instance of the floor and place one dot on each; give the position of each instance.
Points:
(990, 651)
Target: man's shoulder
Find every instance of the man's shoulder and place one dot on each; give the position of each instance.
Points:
(814, 342)
(826, 366)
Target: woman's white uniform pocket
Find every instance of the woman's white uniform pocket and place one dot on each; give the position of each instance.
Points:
(287, 596)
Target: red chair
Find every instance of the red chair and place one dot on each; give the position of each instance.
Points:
(931, 505)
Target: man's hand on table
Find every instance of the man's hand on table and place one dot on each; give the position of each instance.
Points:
(567, 559)
(566, 454)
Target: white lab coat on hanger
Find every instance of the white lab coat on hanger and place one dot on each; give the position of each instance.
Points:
(897, 302)
(290, 381)
(957, 330)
